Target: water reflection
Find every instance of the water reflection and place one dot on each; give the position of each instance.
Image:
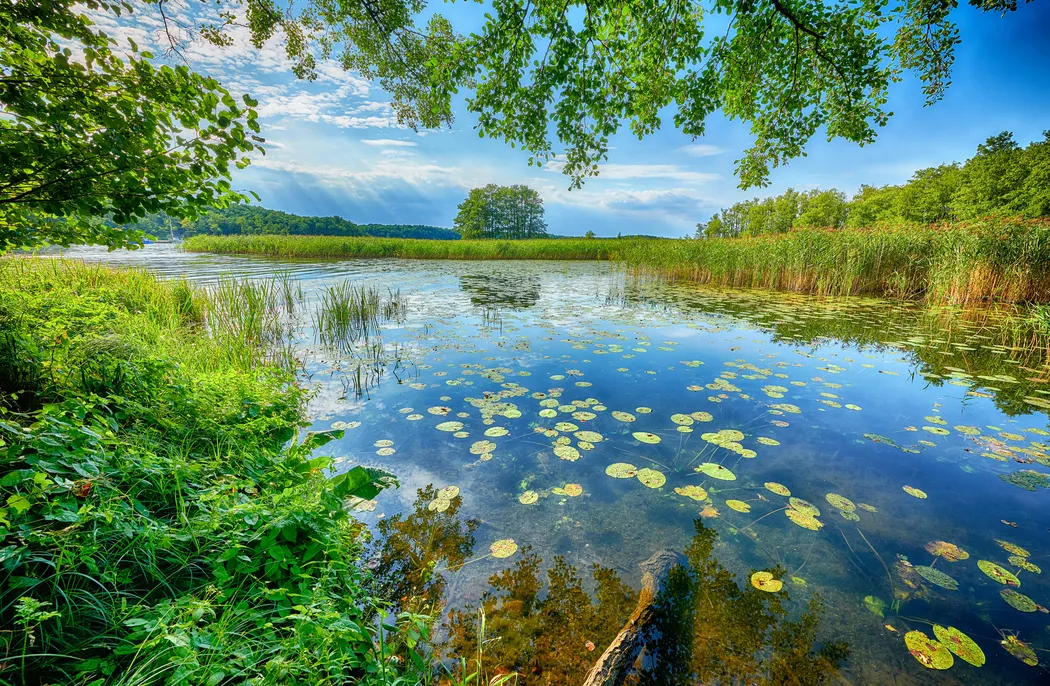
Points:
(550, 623)
(414, 549)
(495, 289)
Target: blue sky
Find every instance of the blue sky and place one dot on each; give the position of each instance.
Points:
(334, 148)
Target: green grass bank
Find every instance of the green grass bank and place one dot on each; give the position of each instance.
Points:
(1004, 260)
(156, 525)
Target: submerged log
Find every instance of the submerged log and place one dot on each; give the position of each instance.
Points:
(612, 667)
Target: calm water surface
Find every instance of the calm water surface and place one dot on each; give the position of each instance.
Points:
(909, 430)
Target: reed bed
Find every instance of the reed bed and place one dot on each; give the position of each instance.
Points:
(1004, 260)
(360, 247)
(1000, 260)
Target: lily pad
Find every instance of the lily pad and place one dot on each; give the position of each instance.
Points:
(929, 652)
(651, 478)
(997, 573)
(682, 419)
(449, 426)
(937, 577)
(960, 644)
(448, 492)
(528, 497)
(876, 606)
(804, 520)
(622, 416)
(482, 447)
(764, 581)
(804, 506)
(767, 441)
(738, 505)
(867, 508)
(621, 470)
(646, 437)
(496, 431)
(567, 452)
(949, 551)
(503, 548)
(1021, 650)
(716, 471)
(915, 492)
(439, 504)
(1018, 601)
(589, 436)
(779, 489)
(694, 492)
(1025, 564)
(1012, 548)
(840, 501)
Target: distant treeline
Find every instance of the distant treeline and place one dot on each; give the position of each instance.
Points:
(1001, 180)
(254, 220)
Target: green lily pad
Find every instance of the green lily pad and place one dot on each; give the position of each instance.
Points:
(621, 470)
(646, 437)
(994, 571)
(929, 652)
(503, 548)
(937, 577)
(876, 606)
(651, 478)
(840, 501)
(779, 489)
(804, 506)
(528, 497)
(694, 492)
(1018, 601)
(716, 471)
(960, 644)
(1021, 650)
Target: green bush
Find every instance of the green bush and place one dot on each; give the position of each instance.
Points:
(156, 525)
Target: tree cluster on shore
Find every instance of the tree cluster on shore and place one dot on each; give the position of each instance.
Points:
(501, 212)
(1002, 179)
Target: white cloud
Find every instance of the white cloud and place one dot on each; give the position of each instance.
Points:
(389, 143)
(702, 150)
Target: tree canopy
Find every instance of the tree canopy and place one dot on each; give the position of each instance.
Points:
(501, 212)
(89, 128)
(1001, 179)
(560, 77)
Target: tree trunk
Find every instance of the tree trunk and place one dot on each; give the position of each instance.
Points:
(612, 667)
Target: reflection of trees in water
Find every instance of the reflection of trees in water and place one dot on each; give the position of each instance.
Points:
(414, 549)
(550, 635)
(515, 291)
(708, 629)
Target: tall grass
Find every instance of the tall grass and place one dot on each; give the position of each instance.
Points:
(346, 248)
(994, 260)
(157, 524)
(1005, 260)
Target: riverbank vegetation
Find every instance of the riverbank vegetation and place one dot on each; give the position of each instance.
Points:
(1001, 180)
(344, 248)
(988, 260)
(156, 525)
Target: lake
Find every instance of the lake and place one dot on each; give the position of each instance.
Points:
(553, 425)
